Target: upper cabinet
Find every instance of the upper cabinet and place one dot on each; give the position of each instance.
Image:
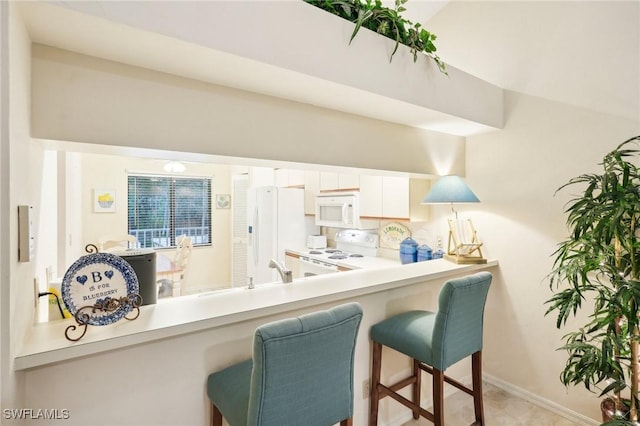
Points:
(294, 178)
(311, 190)
(289, 178)
(388, 197)
(371, 196)
(339, 181)
(381, 197)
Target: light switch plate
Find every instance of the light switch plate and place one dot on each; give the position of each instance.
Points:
(26, 240)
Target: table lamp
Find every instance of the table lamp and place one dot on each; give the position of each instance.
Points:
(463, 246)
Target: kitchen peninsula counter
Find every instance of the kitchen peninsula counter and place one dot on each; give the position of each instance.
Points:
(365, 262)
(46, 342)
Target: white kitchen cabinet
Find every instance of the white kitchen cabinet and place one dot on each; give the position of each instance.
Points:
(389, 197)
(307, 179)
(370, 196)
(289, 178)
(311, 190)
(395, 197)
(330, 181)
(348, 181)
(292, 262)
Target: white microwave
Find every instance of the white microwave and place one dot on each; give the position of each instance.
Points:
(338, 210)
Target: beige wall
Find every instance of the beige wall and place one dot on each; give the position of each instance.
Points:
(515, 173)
(21, 185)
(209, 266)
(6, 386)
(90, 100)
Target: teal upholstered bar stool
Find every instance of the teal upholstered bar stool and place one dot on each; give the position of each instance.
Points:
(435, 341)
(301, 373)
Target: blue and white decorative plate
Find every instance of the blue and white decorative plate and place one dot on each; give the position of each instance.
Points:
(96, 278)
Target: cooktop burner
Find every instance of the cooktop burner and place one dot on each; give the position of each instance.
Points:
(338, 256)
(315, 252)
(356, 255)
(333, 251)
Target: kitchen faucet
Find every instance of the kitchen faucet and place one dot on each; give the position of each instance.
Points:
(286, 274)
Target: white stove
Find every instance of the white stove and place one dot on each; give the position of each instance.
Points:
(351, 245)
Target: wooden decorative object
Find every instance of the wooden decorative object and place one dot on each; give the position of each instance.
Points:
(464, 246)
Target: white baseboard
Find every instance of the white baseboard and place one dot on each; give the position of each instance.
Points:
(547, 404)
(540, 401)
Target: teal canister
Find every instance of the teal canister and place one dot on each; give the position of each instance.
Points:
(408, 251)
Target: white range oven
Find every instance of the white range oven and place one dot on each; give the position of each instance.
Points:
(350, 245)
(310, 267)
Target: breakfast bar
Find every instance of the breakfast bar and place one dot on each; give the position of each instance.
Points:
(46, 343)
(170, 349)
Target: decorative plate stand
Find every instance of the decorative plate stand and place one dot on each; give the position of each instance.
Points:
(99, 289)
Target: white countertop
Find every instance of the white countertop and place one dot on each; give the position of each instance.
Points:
(46, 343)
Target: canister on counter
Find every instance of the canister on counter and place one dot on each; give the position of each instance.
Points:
(424, 253)
(408, 250)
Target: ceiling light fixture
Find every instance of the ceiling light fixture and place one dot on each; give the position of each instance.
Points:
(174, 167)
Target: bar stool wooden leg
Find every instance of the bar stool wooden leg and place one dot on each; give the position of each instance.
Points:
(417, 373)
(216, 416)
(438, 397)
(476, 375)
(374, 397)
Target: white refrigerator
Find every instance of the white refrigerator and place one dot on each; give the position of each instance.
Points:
(276, 221)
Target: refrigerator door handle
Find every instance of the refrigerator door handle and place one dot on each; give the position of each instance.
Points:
(256, 233)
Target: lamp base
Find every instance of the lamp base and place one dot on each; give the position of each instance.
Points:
(469, 260)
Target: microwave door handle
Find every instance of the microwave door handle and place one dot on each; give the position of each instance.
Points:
(345, 211)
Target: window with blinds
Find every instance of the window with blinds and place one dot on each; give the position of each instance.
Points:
(161, 208)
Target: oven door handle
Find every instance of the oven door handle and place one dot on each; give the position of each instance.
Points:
(319, 264)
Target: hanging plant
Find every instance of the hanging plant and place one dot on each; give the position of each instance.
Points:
(387, 22)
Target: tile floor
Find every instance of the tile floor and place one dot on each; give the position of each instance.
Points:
(500, 409)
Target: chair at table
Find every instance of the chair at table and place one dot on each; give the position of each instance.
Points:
(435, 341)
(172, 281)
(301, 373)
(110, 243)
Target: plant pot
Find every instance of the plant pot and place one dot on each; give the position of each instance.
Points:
(608, 409)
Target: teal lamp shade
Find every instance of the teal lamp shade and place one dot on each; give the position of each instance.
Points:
(450, 189)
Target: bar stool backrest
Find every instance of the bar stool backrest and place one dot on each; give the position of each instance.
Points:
(303, 369)
(459, 321)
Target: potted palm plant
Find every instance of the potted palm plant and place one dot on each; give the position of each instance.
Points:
(597, 268)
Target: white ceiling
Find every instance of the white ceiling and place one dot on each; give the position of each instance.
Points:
(582, 53)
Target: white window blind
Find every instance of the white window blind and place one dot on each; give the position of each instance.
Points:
(161, 208)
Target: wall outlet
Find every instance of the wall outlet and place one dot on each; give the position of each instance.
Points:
(366, 389)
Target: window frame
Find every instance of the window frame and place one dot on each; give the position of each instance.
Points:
(172, 206)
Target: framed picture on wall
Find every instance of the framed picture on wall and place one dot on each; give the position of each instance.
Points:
(104, 200)
(223, 201)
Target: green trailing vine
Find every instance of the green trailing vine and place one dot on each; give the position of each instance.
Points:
(387, 22)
